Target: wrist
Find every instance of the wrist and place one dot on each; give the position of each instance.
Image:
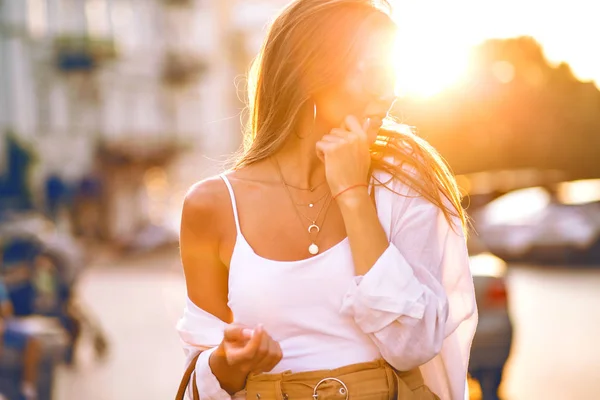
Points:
(231, 378)
(345, 190)
(353, 198)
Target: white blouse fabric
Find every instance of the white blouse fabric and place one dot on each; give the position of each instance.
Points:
(416, 304)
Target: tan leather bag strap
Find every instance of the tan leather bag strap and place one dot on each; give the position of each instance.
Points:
(189, 374)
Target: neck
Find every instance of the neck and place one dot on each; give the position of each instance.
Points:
(298, 159)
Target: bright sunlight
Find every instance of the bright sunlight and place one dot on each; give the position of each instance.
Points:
(436, 37)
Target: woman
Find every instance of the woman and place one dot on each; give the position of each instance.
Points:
(327, 261)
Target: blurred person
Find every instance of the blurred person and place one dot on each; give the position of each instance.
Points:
(39, 284)
(54, 298)
(16, 339)
(331, 261)
(17, 260)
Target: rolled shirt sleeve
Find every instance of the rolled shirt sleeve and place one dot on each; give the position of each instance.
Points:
(201, 332)
(373, 299)
(208, 386)
(417, 294)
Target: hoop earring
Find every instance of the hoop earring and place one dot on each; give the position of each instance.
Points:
(313, 124)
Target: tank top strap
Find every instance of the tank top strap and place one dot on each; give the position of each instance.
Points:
(233, 202)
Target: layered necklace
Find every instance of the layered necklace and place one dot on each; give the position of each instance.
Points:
(314, 224)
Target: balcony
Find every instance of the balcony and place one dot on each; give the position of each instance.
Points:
(181, 69)
(178, 3)
(83, 53)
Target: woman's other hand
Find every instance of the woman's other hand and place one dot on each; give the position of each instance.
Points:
(242, 351)
(250, 350)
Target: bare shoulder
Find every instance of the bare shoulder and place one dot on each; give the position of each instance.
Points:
(203, 222)
(206, 201)
(206, 194)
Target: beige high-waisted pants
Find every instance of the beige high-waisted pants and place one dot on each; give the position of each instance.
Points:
(366, 381)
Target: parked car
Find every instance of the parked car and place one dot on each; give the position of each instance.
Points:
(542, 225)
(493, 338)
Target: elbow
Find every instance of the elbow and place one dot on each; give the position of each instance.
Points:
(414, 356)
(419, 346)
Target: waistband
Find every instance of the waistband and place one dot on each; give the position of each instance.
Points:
(375, 380)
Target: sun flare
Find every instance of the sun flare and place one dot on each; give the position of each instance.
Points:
(427, 62)
(435, 37)
(426, 69)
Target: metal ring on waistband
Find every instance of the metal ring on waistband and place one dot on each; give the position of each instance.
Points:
(343, 389)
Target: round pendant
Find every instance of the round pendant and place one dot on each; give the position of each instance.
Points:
(311, 205)
(313, 249)
(313, 226)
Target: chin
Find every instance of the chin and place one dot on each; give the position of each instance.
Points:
(373, 130)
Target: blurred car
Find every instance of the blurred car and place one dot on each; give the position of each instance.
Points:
(541, 225)
(493, 339)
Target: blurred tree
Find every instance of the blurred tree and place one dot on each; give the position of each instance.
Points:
(514, 110)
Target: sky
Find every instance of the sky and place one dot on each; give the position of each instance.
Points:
(436, 36)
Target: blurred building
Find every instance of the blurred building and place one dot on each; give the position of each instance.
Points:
(115, 89)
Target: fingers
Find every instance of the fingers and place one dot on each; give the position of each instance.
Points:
(338, 132)
(342, 136)
(366, 125)
(254, 343)
(351, 132)
(332, 138)
(352, 123)
(261, 352)
(256, 352)
(356, 127)
(263, 356)
(236, 338)
(271, 356)
(237, 333)
(320, 155)
(275, 355)
(243, 353)
(352, 129)
(324, 147)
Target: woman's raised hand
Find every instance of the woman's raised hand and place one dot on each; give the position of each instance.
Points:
(345, 153)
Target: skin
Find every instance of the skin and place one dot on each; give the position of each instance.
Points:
(334, 150)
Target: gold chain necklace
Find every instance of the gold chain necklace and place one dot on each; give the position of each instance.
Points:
(308, 189)
(313, 248)
(312, 203)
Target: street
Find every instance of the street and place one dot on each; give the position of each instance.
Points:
(138, 302)
(555, 356)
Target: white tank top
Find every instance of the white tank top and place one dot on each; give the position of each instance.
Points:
(298, 302)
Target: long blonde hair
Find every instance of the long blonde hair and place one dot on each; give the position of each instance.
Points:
(309, 47)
